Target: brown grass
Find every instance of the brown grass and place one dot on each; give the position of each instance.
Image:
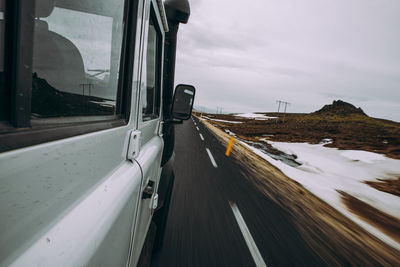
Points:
(391, 186)
(335, 238)
(385, 222)
(354, 131)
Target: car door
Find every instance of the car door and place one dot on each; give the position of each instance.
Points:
(69, 195)
(151, 142)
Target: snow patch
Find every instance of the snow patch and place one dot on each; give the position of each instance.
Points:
(229, 132)
(226, 121)
(326, 141)
(325, 170)
(365, 156)
(105, 103)
(255, 116)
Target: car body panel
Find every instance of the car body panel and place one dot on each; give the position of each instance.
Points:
(78, 201)
(44, 184)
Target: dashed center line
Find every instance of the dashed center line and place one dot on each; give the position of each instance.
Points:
(197, 128)
(201, 136)
(211, 158)
(255, 253)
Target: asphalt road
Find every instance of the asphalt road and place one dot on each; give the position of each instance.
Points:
(218, 218)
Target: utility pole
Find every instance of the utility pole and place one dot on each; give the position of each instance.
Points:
(279, 104)
(279, 107)
(90, 86)
(284, 114)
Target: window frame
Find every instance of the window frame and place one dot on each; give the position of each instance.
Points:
(4, 103)
(17, 131)
(19, 26)
(154, 15)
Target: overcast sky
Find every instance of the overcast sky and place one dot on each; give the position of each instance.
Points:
(244, 55)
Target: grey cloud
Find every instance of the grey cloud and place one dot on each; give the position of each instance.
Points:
(292, 72)
(204, 38)
(245, 56)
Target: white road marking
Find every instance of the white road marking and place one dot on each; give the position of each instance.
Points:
(201, 136)
(255, 253)
(211, 158)
(197, 128)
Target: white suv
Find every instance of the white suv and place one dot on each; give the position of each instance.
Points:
(86, 128)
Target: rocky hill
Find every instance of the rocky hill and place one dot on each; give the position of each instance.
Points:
(340, 108)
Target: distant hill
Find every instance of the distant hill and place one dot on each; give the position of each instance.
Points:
(339, 108)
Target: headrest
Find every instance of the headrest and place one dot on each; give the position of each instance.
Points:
(41, 25)
(43, 8)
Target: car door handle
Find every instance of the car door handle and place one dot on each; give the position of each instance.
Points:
(148, 191)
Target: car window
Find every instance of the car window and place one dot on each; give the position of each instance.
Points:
(151, 93)
(76, 59)
(3, 92)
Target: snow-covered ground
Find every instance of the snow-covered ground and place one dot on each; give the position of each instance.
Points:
(325, 170)
(204, 118)
(226, 121)
(254, 116)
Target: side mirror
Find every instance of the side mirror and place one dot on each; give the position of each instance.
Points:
(182, 103)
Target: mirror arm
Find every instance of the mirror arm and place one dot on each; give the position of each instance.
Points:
(173, 121)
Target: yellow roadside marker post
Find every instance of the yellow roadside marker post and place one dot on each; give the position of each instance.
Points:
(229, 147)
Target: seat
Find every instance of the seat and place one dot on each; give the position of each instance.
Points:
(55, 58)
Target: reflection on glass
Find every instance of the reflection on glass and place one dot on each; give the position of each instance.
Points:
(183, 101)
(150, 96)
(77, 49)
